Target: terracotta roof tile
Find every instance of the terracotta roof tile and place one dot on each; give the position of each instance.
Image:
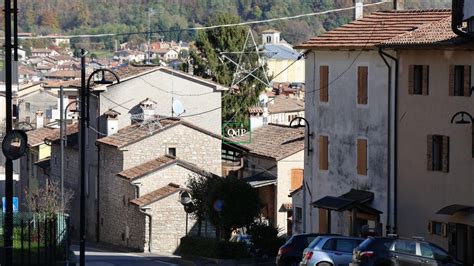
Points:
(64, 73)
(70, 130)
(282, 103)
(156, 195)
(438, 32)
(375, 28)
(274, 141)
(147, 167)
(37, 136)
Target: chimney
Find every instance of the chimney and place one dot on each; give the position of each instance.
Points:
(359, 9)
(148, 108)
(399, 4)
(112, 121)
(39, 119)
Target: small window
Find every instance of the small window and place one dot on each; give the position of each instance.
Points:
(438, 153)
(418, 79)
(298, 214)
(172, 151)
(460, 80)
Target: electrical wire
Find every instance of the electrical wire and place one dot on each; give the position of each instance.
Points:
(200, 28)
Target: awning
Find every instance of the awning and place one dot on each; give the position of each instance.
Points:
(44, 163)
(261, 179)
(353, 199)
(454, 208)
(286, 207)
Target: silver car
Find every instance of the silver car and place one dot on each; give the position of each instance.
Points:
(330, 251)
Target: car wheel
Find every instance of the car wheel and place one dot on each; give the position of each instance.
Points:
(324, 264)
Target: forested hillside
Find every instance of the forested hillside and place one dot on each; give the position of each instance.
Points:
(122, 16)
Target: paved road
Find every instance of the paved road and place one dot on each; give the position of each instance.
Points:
(100, 257)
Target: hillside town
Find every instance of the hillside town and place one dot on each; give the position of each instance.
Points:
(353, 147)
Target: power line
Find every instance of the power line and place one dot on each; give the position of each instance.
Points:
(200, 28)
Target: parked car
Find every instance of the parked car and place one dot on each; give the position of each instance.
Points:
(291, 252)
(330, 250)
(388, 251)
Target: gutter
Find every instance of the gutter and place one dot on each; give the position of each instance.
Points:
(383, 55)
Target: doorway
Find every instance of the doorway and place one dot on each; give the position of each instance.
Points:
(461, 242)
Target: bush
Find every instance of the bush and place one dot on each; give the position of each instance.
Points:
(265, 239)
(192, 246)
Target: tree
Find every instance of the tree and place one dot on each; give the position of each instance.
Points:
(231, 203)
(47, 200)
(199, 187)
(207, 62)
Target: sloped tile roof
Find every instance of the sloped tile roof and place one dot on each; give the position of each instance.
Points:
(282, 103)
(147, 167)
(438, 32)
(36, 137)
(274, 141)
(70, 130)
(156, 195)
(137, 132)
(375, 28)
(64, 73)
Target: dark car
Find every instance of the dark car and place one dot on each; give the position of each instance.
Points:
(385, 251)
(291, 252)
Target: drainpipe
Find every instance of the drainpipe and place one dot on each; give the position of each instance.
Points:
(150, 217)
(383, 55)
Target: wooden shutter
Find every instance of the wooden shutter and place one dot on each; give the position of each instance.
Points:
(323, 221)
(430, 227)
(362, 73)
(323, 153)
(323, 83)
(426, 79)
(429, 153)
(362, 157)
(445, 154)
(451, 80)
(411, 79)
(467, 81)
(296, 179)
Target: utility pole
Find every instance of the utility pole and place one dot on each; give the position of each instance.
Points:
(8, 226)
(61, 134)
(82, 134)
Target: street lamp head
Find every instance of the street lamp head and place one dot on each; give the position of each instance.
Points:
(463, 120)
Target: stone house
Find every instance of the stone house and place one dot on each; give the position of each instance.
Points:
(275, 109)
(349, 106)
(435, 161)
(273, 165)
(141, 172)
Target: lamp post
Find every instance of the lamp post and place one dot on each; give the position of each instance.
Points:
(299, 123)
(62, 137)
(84, 111)
(463, 121)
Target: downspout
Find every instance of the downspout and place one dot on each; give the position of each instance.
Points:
(395, 138)
(150, 217)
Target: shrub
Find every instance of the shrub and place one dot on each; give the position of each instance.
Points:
(265, 239)
(192, 246)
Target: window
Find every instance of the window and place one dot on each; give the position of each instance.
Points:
(432, 252)
(323, 83)
(437, 228)
(405, 246)
(361, 156)
(323, 153)
(296, 179)
(418, 80)
(362, 94)
(269, 39)
(298, 214)
(460, 80)
(172, 151)
(346, 245)
(329, 245)
(438, 153)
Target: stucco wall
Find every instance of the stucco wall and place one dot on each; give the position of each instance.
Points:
(293, 73)
(343, 121)
(163, 88)
(421, 193)
(295, 161)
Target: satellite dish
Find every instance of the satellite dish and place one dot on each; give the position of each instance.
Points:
(178, 108)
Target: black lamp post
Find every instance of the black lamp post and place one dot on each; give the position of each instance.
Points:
(84, 110)
(188, 204)
(463, 121)
(298, 123)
